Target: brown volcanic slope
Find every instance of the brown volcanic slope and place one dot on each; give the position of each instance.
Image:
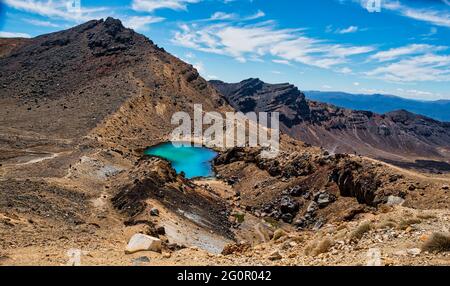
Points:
(77, 108)
(9, 44)
(398, 135)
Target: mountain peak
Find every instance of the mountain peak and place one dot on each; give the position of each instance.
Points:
(255, 95)
(113, 26)
(252, 79)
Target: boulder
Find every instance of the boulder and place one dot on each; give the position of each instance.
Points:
(288, 205)
(142, 242)
(161, 230)
(323, 199)
(312, 207)
(414, 251)
(394, 201)
(278, 234)
(275, 256)
(154, 212)
(287, 218)
(139, 260)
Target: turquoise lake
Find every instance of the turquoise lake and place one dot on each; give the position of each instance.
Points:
(193, 161)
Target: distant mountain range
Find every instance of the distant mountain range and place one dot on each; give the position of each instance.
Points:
(381, 103)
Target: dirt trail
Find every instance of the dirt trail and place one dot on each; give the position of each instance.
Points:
(411, 173)
(48, 156)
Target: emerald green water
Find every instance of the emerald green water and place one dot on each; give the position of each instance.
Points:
(193, 161)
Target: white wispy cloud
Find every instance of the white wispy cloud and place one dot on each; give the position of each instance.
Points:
(140, 23)
(344, 70)
(432, 16)
(243, 42)
(199, 67)
(4, 34)
(411, 49)
(223, 16)
(41, 23)
(282, 62)
(190, 55)
(426, 67)
(350, 29)
(152, 5)
(257, 15)
(57, 9)
(418, 94)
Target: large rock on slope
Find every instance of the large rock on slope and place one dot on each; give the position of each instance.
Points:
(142, 242)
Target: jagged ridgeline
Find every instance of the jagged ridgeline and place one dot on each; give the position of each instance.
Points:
(395, 136)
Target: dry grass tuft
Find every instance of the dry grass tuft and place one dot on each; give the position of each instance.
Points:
(389, 223)
(310, 247)
(317, 247)
(358, 233)
(323, 246)
(404, 224)
(426, 216)
(437, 242)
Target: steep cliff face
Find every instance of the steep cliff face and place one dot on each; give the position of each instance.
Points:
(396, 135)
(255, 95)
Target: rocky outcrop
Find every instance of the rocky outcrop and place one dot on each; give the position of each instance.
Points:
(306, 189)
(294, 166)
(353, 181)
(150, 178)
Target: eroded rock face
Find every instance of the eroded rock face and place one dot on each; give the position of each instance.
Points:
(149, 179)
(255, 95)
(354, 181)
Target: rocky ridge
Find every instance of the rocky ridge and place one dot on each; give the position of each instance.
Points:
(395, 136)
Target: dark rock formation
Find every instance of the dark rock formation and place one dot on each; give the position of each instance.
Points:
(256, 95)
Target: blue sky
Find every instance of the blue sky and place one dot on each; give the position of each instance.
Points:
(330, 45)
